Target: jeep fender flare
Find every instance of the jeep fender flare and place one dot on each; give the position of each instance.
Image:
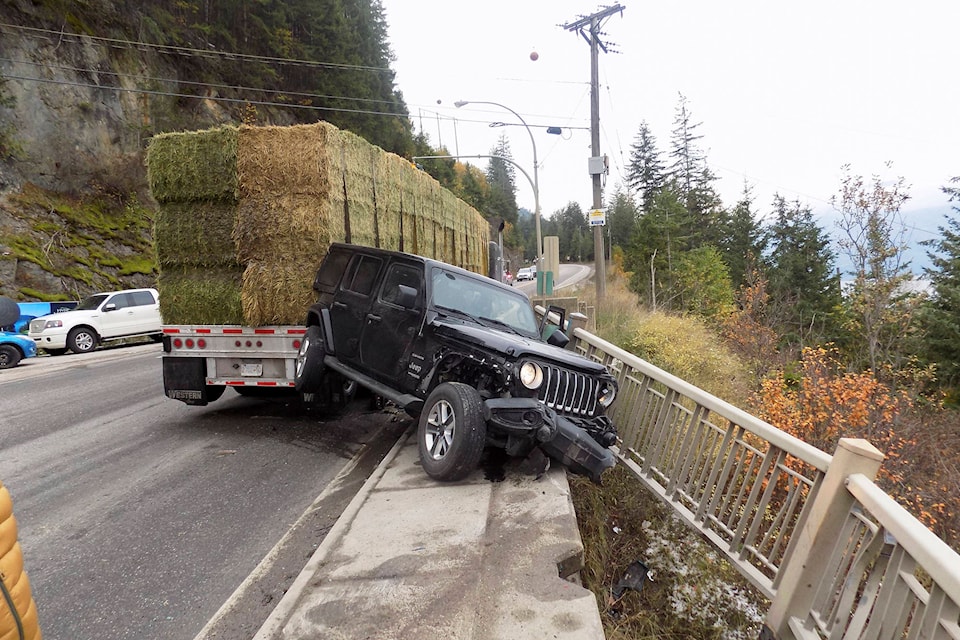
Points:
(320, 316)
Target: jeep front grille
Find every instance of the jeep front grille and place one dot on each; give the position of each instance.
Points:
(569, 392)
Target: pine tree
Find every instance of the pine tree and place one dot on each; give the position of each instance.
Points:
(741, 242)
(503, 186)
(622, 216)
(941, 315)
(692, 178)
(804, 290)
(645, 172)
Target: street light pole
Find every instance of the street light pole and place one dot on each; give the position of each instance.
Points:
(536, 182)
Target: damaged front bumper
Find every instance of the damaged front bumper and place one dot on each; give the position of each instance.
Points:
(527, 423)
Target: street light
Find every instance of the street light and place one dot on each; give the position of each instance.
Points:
(536, 182)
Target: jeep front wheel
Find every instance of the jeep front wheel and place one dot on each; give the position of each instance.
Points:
(308, 369)
(452, 432)
(82, 340)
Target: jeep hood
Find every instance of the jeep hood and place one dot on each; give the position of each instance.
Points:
(513, 345)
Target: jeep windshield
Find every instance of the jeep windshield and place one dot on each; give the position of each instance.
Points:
(484, 302)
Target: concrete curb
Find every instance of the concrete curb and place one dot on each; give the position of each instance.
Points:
(414, 558)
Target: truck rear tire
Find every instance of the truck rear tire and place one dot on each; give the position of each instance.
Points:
(308, 371)
(452, 433)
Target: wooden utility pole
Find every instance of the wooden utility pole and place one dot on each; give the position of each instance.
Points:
(589, 28)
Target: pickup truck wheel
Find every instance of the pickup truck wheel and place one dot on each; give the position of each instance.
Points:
(308, 371)
(82, 340)
(452, 432)
(9, 356)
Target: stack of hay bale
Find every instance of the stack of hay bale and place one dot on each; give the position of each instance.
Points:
(247, 214)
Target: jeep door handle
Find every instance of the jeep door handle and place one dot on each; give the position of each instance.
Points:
(339, 305)
(373, 318)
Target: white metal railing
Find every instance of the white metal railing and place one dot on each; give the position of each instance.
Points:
(836, 555)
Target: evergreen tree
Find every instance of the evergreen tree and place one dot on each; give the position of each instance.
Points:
(575, 239)
(692, 178)
(645, 172)
(501, 177)
(659, 236)
(741, 242)
(622, 215)
(804, 290)
(941, 315)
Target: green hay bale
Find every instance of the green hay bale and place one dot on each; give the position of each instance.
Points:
(287, 160)
(195, 233)
(278, 292)
(288, 226)
(198, 165)
(200, 296)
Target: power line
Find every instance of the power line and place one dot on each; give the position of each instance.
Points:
(190, 51)
(214, 98)
(191, 82)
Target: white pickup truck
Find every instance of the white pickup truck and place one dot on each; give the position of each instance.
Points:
(99, 318)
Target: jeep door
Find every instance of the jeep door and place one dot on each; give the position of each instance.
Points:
(350, 304)
(392, 323)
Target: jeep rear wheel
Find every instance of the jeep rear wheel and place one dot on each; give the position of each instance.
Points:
(82, 340)
(452, 432)
(308, 371)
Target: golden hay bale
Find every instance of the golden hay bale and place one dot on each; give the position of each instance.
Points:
(287, 160)
(278, 291)
(195, 233)
(208, 295)
(288, 226)
(197, 165)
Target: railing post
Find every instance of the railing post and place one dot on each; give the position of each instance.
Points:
(576, 321)
(810, 551)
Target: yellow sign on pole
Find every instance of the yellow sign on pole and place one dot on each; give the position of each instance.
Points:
(597, 217)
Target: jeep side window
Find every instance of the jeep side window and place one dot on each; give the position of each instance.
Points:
(400, 274)
(328, 277)
(362, 275)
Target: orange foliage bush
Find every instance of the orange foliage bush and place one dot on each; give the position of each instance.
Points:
(821, 403)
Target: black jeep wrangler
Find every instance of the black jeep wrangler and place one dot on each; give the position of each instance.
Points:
(460, 351)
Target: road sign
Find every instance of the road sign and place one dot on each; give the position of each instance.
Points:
(598, 218)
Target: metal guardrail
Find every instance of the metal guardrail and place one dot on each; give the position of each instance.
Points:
(836, 555)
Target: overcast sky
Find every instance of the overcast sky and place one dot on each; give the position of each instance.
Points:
(787, 93)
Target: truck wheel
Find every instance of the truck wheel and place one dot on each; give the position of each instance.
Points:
(308, 371)
(82, 340)
(452, 432)
(9, 356)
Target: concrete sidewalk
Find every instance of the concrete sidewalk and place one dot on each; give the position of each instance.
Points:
(412, 558)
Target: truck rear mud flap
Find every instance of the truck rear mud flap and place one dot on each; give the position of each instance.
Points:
(184, 379)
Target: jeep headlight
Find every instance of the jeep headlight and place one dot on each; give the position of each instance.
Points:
(608, 393)
(531, 375)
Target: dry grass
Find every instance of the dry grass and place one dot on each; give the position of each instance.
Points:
(691, 591)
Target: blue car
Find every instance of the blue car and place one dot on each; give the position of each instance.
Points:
(14, 348)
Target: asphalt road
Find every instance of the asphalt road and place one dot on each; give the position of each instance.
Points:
(570, 274)
(140, 516)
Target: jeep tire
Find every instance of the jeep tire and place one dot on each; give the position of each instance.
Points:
(308, 368)
(82, 340)
(452, 432)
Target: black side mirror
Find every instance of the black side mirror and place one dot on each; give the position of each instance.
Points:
(558, 339)
(406, 296)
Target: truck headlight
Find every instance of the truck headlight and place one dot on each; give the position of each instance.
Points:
(607, 395)
(531, 375)
(50, 324)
